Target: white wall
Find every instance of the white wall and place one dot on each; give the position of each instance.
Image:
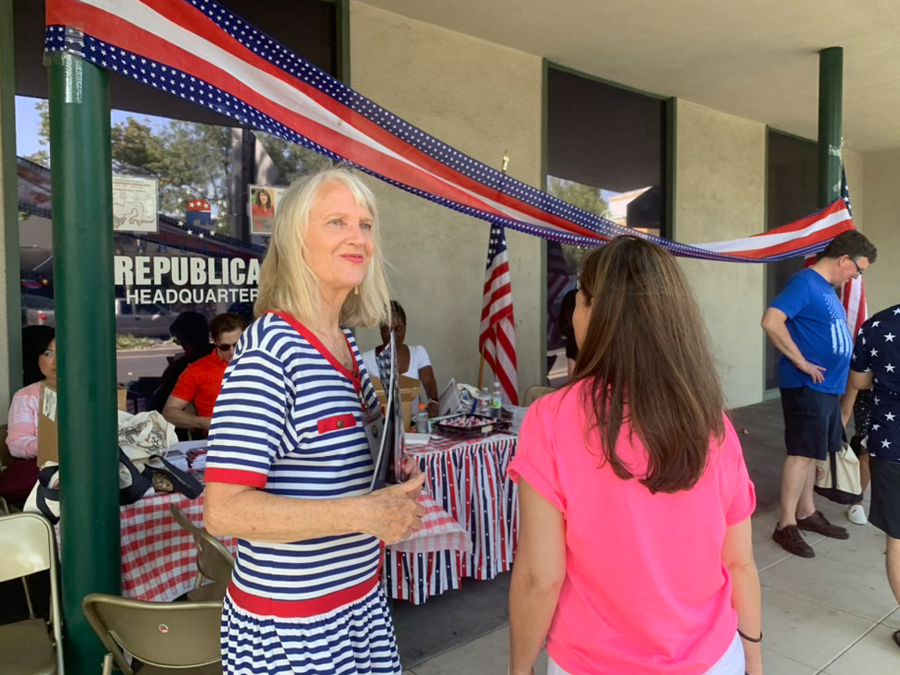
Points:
(483, 100)
(720, 194)
(882, 226)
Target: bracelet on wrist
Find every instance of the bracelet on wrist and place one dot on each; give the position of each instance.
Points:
(750, 639)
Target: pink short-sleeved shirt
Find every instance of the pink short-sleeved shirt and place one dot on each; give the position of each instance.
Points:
(645, 590)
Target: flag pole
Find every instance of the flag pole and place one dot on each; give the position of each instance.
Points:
(481, 365)
(503, 167)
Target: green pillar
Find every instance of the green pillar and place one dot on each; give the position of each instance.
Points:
(81, 167)
(831, 90)
(9, 207)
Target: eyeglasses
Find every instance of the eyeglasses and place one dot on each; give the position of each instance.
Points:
(225, 348)
(859, 271)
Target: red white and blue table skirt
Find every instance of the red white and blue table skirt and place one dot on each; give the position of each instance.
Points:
(468, 480)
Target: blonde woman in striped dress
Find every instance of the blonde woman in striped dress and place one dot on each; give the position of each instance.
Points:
(289, 468)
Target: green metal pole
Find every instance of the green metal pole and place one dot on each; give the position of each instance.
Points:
(9, 202)
(831, 90)
(81, 173)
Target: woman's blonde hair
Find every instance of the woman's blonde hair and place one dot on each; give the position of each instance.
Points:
(285, 279)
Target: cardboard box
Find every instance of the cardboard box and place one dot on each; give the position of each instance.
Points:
(47, 431)
(409, 394)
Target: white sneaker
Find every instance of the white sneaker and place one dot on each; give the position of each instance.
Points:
(857, 515)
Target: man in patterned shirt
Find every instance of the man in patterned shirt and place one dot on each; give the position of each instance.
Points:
(808, 325)
(876, 365)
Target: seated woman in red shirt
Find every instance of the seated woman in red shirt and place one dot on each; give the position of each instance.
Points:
(201, 381)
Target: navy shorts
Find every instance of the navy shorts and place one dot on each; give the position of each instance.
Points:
(885, 510)
(812, 422)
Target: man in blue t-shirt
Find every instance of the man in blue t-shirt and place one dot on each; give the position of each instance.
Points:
(808, 325)
(876, 365)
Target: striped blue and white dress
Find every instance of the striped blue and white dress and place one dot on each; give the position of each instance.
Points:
(289, 420)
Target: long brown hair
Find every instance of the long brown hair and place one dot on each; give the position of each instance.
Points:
(646, 354)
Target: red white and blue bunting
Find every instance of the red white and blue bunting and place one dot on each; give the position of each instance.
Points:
(200, 51)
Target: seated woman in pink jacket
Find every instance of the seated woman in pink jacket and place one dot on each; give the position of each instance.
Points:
(634, 552)
(39, 364)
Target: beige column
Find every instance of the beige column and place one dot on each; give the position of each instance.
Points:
(10, 318)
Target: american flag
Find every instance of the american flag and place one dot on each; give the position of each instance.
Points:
(201, 51)
(497, 341)
(853, 293)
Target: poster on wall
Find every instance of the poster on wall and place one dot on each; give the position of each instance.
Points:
(264, 200)
(135, 204)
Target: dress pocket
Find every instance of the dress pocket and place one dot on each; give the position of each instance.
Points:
(336, 423)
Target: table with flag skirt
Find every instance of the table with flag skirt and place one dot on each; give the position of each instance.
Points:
(158, 555)
(468, 480)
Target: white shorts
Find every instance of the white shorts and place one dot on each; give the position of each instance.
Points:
(731, 663)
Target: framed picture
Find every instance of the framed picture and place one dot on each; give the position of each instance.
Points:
(264, 201)
(135, 204)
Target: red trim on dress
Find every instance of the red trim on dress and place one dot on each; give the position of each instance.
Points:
(235, 477)
(292, 609)
(311, 338)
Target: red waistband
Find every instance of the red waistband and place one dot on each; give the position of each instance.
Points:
(294, 609)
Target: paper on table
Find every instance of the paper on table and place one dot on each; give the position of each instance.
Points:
(448, 403)
(417, 439)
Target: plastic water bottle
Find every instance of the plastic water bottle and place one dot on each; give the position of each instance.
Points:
(497, 402)
(423, 424)
(484, 403)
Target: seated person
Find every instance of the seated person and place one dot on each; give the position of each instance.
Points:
(566, 310)
(191, 332)
(413, 360)
(201, 381)
(39, 364)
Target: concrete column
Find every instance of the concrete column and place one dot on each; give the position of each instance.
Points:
(10, 284)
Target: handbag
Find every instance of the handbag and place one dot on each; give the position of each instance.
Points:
(142, 439)
(837, 477)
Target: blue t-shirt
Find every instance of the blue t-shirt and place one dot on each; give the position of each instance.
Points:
(878, 350)
(817, 323)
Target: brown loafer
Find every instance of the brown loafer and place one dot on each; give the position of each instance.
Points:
(792, 541)
(897, 638)
(817, 522)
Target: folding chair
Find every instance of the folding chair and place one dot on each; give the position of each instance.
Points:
(214, 561)
(532, 394)
(4, 507)
(28, 545)
(166, 637)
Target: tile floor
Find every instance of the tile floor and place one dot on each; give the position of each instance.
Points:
(830, 615)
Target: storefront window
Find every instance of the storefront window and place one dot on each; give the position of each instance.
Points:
(606, 153)
(188, 234)
(791, 194)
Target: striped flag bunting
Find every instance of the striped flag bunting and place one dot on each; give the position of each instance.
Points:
(202, 52)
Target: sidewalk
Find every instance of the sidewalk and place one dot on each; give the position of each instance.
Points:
(830, 615)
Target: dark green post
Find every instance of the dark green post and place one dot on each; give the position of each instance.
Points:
(81, 172)
(831, 91)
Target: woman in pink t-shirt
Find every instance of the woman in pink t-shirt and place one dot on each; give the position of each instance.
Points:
(634, 552)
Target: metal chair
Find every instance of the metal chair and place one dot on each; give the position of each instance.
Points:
(4, 507)
(532, 394)
(214, 561)
(28, 545)
(166, 637)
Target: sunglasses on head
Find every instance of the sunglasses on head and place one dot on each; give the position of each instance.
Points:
(225, 348)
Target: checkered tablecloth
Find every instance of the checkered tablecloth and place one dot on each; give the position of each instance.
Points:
(468, 480)
(158, 555)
